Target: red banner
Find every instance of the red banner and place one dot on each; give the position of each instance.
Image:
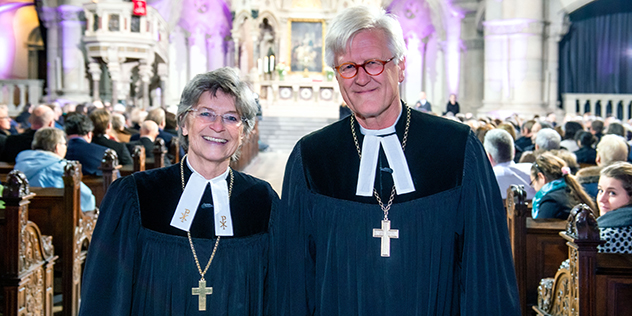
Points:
(140, 7)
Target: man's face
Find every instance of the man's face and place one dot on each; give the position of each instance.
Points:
(373, 99)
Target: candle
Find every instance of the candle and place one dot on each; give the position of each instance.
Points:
(271, 63)
(265, 64)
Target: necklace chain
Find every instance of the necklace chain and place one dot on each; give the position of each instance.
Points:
(386, 208)
(197, 262)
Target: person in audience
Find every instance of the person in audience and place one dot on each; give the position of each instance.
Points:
(615, 207)
(499, 146)
(102, 121)
(41, 116)
(611, 149)
(524, 142)
(452, 106)
(423, 104)
(158, 229)
(557, 191)
(118, 128)
(615, 128)
(5, 125)
(509, 128)
(171, 123)
(148, 134)
(596, 128)
(44, 164)
(586, 153)
(157, 115)
(546, 139)
(59, 119)
(79, 130)
(568, 140)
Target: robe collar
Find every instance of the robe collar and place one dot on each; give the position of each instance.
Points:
(388, 140)
(193, 194)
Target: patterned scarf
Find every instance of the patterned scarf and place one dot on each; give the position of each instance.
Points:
(546, 188)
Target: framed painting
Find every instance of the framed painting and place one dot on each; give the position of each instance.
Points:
(307, 45)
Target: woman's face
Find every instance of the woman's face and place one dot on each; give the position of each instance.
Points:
(213, 141)
(611, 195)
(538, 181)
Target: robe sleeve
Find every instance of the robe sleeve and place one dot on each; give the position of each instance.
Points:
(488, 280)
(290, 286)
(107, 278)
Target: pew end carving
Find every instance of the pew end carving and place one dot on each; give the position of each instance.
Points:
(587, 283)
(26, 266)
(159, 152)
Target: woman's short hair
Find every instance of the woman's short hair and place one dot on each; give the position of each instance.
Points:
(612, 148)
(223, 79)
(621, 171)
(47, 138)
(351, 21)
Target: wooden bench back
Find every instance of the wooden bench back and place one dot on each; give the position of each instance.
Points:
(26, 264)
(535, 243)
(588, 283)
(58, 213)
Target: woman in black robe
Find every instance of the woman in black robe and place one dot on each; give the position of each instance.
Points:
(190, 239)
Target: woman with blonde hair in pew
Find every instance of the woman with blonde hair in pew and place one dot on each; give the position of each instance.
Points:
(615, 207)
(557, 191)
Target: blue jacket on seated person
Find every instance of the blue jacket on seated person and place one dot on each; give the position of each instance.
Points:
(45, 169)
(88, 154)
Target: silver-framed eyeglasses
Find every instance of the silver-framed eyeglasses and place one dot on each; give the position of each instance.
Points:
(209, 116)
(372, 67)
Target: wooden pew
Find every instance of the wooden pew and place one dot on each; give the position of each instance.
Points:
(26, 264)
(100, 184)
(588, 283)
(58, 213)
(174, 150)
(536, 246)
(138, 157)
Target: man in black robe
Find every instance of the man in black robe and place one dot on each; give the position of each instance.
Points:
(389, 211)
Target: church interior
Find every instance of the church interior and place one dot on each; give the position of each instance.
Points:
(498, 57)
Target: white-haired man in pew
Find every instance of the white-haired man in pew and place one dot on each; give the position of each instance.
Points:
(44, 164)
(499, 146)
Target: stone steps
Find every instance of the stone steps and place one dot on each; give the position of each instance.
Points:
(282, 133)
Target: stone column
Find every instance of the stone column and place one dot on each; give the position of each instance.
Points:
(114, 68)
(145, 73)
(49, 16)
(197, 54)
(163, 74)
(514, 57)
(72, 58)
(94, 68)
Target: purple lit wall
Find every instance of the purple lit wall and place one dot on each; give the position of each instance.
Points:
(453, 49)
(8, 37)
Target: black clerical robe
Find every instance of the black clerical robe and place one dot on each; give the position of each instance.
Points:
(452, 256)
(138, 264)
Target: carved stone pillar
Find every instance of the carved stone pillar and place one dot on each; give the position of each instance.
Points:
(145, 73)
(94, 68)
(114, 68)
(215, 51)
